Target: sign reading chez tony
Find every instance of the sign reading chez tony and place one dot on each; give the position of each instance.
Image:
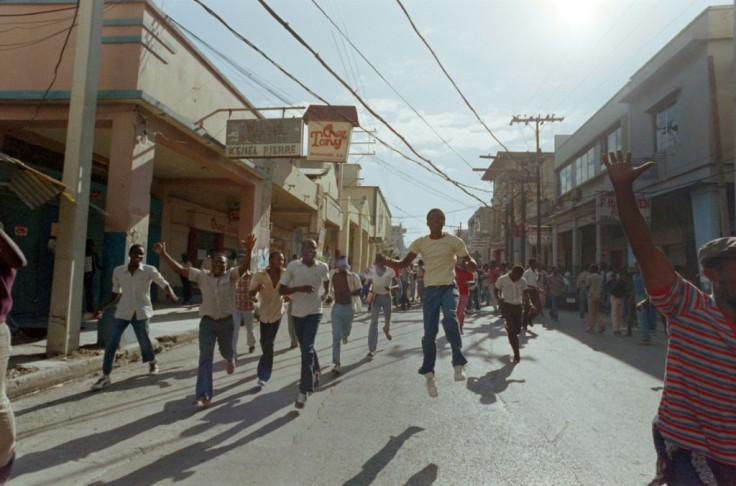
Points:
(607, 210)
(268, 137)
(328, 141)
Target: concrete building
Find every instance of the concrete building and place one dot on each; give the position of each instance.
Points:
(160, 171)
(677, 110)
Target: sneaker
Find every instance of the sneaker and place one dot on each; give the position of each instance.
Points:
(153, 368)
(387, 333)
(301, 399)
(202, 400)
(261, 383)
(103, 382)
(337, 369)
(460, 373)
(371, 354)
(431, 385)
(644, 342)
(230, 367)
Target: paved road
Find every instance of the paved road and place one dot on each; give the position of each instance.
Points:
(576, 410)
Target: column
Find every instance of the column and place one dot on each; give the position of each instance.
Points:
(706, 218)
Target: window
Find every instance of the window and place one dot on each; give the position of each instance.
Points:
(566, 179)
(614, 142)
(666, 125)
(591, 162)
(584, 167)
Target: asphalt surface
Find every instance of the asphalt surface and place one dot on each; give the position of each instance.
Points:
(576, 410)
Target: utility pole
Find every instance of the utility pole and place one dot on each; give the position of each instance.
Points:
(538, 122)
(66, 288)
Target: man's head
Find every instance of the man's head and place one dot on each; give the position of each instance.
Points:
(240, 259)
(532, 263)
(342, 264)
(380, 260)
(136, 253)
(516, 273)
(309, 251)
(593, 268)
(276, 259)
(435, 220)
(555, 269)
(219, 264)
(713, 253)
(718, 258)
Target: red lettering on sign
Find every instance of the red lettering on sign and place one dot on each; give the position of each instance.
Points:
(328, 136)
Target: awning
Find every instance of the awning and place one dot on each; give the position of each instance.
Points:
(32, 187)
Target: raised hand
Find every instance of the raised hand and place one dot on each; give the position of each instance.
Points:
(249, 242)
(620, 170)
(159, 248)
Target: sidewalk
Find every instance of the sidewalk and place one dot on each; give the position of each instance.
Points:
(30, 371)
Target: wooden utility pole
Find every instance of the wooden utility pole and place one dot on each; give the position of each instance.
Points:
(538, 122)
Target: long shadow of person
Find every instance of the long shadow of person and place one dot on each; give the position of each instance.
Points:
(380, 460)
(493, 382)
(426, 476)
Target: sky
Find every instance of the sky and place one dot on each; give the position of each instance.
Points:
(507, 57)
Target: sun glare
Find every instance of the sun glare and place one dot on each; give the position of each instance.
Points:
(574, 13)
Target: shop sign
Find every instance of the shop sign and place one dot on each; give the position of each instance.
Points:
(544, 231)
(479, 242)
(265, 138)
(375, 240)
(214, 224)
(607, 210)
(328, 141)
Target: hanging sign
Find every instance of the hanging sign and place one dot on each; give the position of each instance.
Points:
(264, 138)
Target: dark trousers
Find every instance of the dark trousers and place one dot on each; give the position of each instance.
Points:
(530, 314)
(268, 336)
(186, 290)
(306, 330)
(89, 290)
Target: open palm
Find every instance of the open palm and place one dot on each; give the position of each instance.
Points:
(620, 170)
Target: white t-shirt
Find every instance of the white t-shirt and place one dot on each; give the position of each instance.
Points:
(511, 292)
(135, 290)
(298, 274)
(217, 292)
(532, 277)
(380, 282)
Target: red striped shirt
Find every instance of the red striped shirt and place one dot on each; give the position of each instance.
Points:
(698, 406)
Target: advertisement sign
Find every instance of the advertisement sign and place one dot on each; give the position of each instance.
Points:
(270, 137)
(607, 211)
(480, 242)
(328, 141)
(544, 231)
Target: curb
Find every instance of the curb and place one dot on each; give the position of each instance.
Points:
(57, 371)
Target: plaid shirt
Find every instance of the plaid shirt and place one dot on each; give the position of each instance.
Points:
(243, 301)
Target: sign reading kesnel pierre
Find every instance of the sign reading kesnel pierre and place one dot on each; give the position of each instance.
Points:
(264, 138)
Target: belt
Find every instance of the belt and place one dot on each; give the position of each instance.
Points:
(220, 319)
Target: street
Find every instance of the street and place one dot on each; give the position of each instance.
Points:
(577, 409)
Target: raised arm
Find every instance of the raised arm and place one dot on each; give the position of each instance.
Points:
(10, 253)
(656, 269)
(248, 243)
(160, 250)
(400, 263)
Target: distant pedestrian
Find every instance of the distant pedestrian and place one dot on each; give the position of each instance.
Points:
(132, 284)
(512, 292)
(617, 291)
(694, 432)
(216, 312)
(265, 285)
(645, 311)
(439, 251)
(556, 287)
(243, 305)
(344, 291)
(301, 282)
(11, 259)
(534, 306)
(91, 266)
(420, 279)
(594, 283)
(380, 278)
(494, 272)
(464, 279)
(582, 288)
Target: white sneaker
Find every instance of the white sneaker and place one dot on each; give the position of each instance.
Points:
(261, 383)
(460, 373)
(431, 385)
(337, 369)
(103, 382)
(301, 399)
(153, 368)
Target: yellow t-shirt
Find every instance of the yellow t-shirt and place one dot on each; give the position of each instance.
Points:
(439, 257)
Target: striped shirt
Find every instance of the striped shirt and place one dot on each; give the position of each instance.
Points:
(698, 406)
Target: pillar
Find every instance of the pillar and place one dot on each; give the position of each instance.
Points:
(706, 218)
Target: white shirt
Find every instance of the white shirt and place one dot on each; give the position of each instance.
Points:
(217, 292)
(298, 274)
(380, 282)
(272, 303)
(135, 290)
(532, 277)
(511, 292)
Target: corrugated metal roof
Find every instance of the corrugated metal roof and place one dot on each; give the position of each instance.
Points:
(32, 187)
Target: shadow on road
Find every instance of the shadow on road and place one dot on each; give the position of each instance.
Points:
(426, 476)
(382, 458)
(494, 382)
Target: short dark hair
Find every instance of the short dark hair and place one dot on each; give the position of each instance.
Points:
(435, 210)
(135, 247)
(273, 254)
(518, 269)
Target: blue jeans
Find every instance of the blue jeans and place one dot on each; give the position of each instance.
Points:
(342, 323)
(306, 331)
(141, 333)
(443, 297)
(380, 302)
(211, 332)
(268, 336)
(582, 302)
(553, 303)
(645, 317)
(240, 317)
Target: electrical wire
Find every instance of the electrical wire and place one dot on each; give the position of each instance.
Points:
(28, 14)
